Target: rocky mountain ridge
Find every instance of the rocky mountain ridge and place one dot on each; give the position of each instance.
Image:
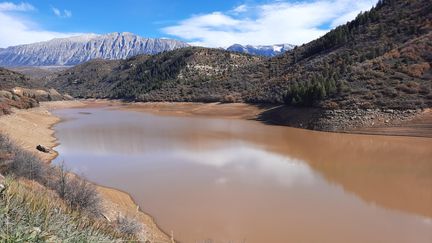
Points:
(79, 49)
(261, 50)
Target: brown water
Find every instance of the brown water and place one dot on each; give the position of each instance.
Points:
(230, 180)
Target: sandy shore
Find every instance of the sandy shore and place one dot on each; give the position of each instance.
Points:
(216, 110)
(32, 127)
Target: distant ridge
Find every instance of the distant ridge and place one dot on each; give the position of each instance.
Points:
(78, 49)
(261, 50)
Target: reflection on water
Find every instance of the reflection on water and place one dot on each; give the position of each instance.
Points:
(241, 181)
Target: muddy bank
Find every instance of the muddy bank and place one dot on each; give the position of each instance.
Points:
(417, 123)
(33, 127)
(217, 110)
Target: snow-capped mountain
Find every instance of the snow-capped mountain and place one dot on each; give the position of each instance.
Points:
(79, 49)
(268, 50)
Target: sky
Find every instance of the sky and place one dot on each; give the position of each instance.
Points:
(211, 23)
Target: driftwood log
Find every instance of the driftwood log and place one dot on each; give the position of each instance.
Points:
(43, 148)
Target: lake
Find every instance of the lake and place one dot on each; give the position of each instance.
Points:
(209, 179)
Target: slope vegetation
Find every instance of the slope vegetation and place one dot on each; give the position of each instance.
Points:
(18, 91)
(10, 79)
(379, 60)
(187, 74)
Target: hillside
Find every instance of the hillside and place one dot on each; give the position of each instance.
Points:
(18, 91)
(185, 74)
(39, 74)
(10, 79)
(379, 60)
(75, 50)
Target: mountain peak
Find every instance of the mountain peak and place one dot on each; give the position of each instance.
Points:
(261, 50)
(78, 49)
(77, 38)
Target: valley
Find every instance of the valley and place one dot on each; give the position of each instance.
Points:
(118, 137)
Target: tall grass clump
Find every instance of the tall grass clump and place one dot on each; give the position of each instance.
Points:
(127, 225)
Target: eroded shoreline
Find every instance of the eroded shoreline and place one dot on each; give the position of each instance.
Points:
(411, 123)
(29, 128)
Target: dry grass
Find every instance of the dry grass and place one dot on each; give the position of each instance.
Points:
(47, 203)
(30, 213)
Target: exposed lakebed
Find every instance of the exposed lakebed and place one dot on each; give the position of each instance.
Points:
(233, 180)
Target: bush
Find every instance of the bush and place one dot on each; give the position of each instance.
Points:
(81, 194)
(33, 214)
(127, 225)
(25, 164)
(19, 162)
(6, 146)
(77, 193)
(424, 90)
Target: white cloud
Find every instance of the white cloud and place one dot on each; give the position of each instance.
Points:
(68, 13)
(240, 9)
(65, 14)
(8, 6)
(56, 11)
(17, 29)
(277, 22)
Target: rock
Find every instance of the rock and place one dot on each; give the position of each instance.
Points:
(38, 94)
(67, 97)
(2, 186)
(43, 149)
(5, 94)
(54, 95)
(17, 91)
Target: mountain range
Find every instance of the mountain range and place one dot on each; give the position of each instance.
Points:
(379, 60)
(75, 50)
(262, 50)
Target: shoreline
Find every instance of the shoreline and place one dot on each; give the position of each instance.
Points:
(40, 122)
(409, 123)
(386, 122)
(31, 127)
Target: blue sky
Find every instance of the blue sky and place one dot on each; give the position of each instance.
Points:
(212, 23)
